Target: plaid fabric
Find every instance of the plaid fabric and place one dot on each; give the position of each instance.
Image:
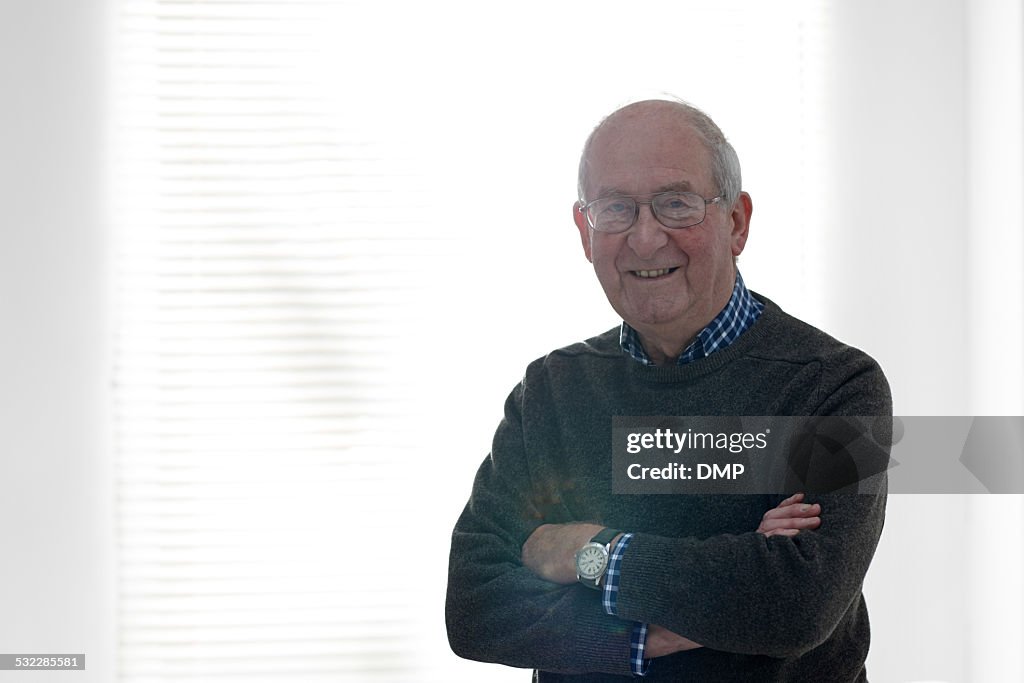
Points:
(611, 576)
(741, 312)
(609, 597)
(636, 650)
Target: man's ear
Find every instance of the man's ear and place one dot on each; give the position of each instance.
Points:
(742, 208)
(581, 225)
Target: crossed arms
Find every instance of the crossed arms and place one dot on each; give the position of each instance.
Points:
(779, 590)
(770, 592)
(550, 549)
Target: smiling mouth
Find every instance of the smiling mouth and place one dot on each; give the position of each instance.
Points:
(650, 274)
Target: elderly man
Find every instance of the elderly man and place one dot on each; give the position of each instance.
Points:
(549, 569)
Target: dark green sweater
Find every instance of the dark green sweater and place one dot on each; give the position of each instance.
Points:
(765, 608)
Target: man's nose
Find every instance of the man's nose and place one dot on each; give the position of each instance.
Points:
(647, 235)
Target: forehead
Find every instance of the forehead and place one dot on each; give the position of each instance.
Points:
(644, 152)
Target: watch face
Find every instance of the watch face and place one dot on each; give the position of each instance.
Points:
(590, 561)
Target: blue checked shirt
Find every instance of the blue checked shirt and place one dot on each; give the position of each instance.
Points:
(611, 593)
(740, 313)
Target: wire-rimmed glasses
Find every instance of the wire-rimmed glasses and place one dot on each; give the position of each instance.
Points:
(618, 213)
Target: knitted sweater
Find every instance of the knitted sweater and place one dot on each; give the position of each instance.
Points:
(764, 608)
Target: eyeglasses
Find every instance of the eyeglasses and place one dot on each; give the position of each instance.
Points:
(672, 209)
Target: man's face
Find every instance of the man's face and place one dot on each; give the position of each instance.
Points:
(642, 152)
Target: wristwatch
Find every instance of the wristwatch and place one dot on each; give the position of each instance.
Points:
(592, 559)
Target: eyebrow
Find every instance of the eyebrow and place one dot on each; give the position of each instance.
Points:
(681, 186)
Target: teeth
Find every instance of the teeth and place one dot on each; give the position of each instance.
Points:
(653, 273)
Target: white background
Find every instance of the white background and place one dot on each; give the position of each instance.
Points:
(918, 262)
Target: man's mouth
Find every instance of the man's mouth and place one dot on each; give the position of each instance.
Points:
(648, 274)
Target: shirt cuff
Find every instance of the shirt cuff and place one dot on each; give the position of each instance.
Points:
(637, 643)
(609, 597)
(611, 577)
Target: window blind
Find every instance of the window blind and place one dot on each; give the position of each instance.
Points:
(338, 244)
(259, 274)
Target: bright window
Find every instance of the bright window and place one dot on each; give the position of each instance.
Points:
(343, 230)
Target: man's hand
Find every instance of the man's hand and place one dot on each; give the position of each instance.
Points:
(550, 551)
(661, 642)
(790, 517)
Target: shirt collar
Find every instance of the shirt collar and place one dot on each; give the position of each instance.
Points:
(739, 313)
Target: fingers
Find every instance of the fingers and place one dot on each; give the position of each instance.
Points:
(795, 498)
(794, 524)
(793, 511)
(790, 517)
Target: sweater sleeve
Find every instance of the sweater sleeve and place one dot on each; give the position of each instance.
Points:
(497, 610)
(777, 596)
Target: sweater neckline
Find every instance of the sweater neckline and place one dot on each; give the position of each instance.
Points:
(750, 339)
